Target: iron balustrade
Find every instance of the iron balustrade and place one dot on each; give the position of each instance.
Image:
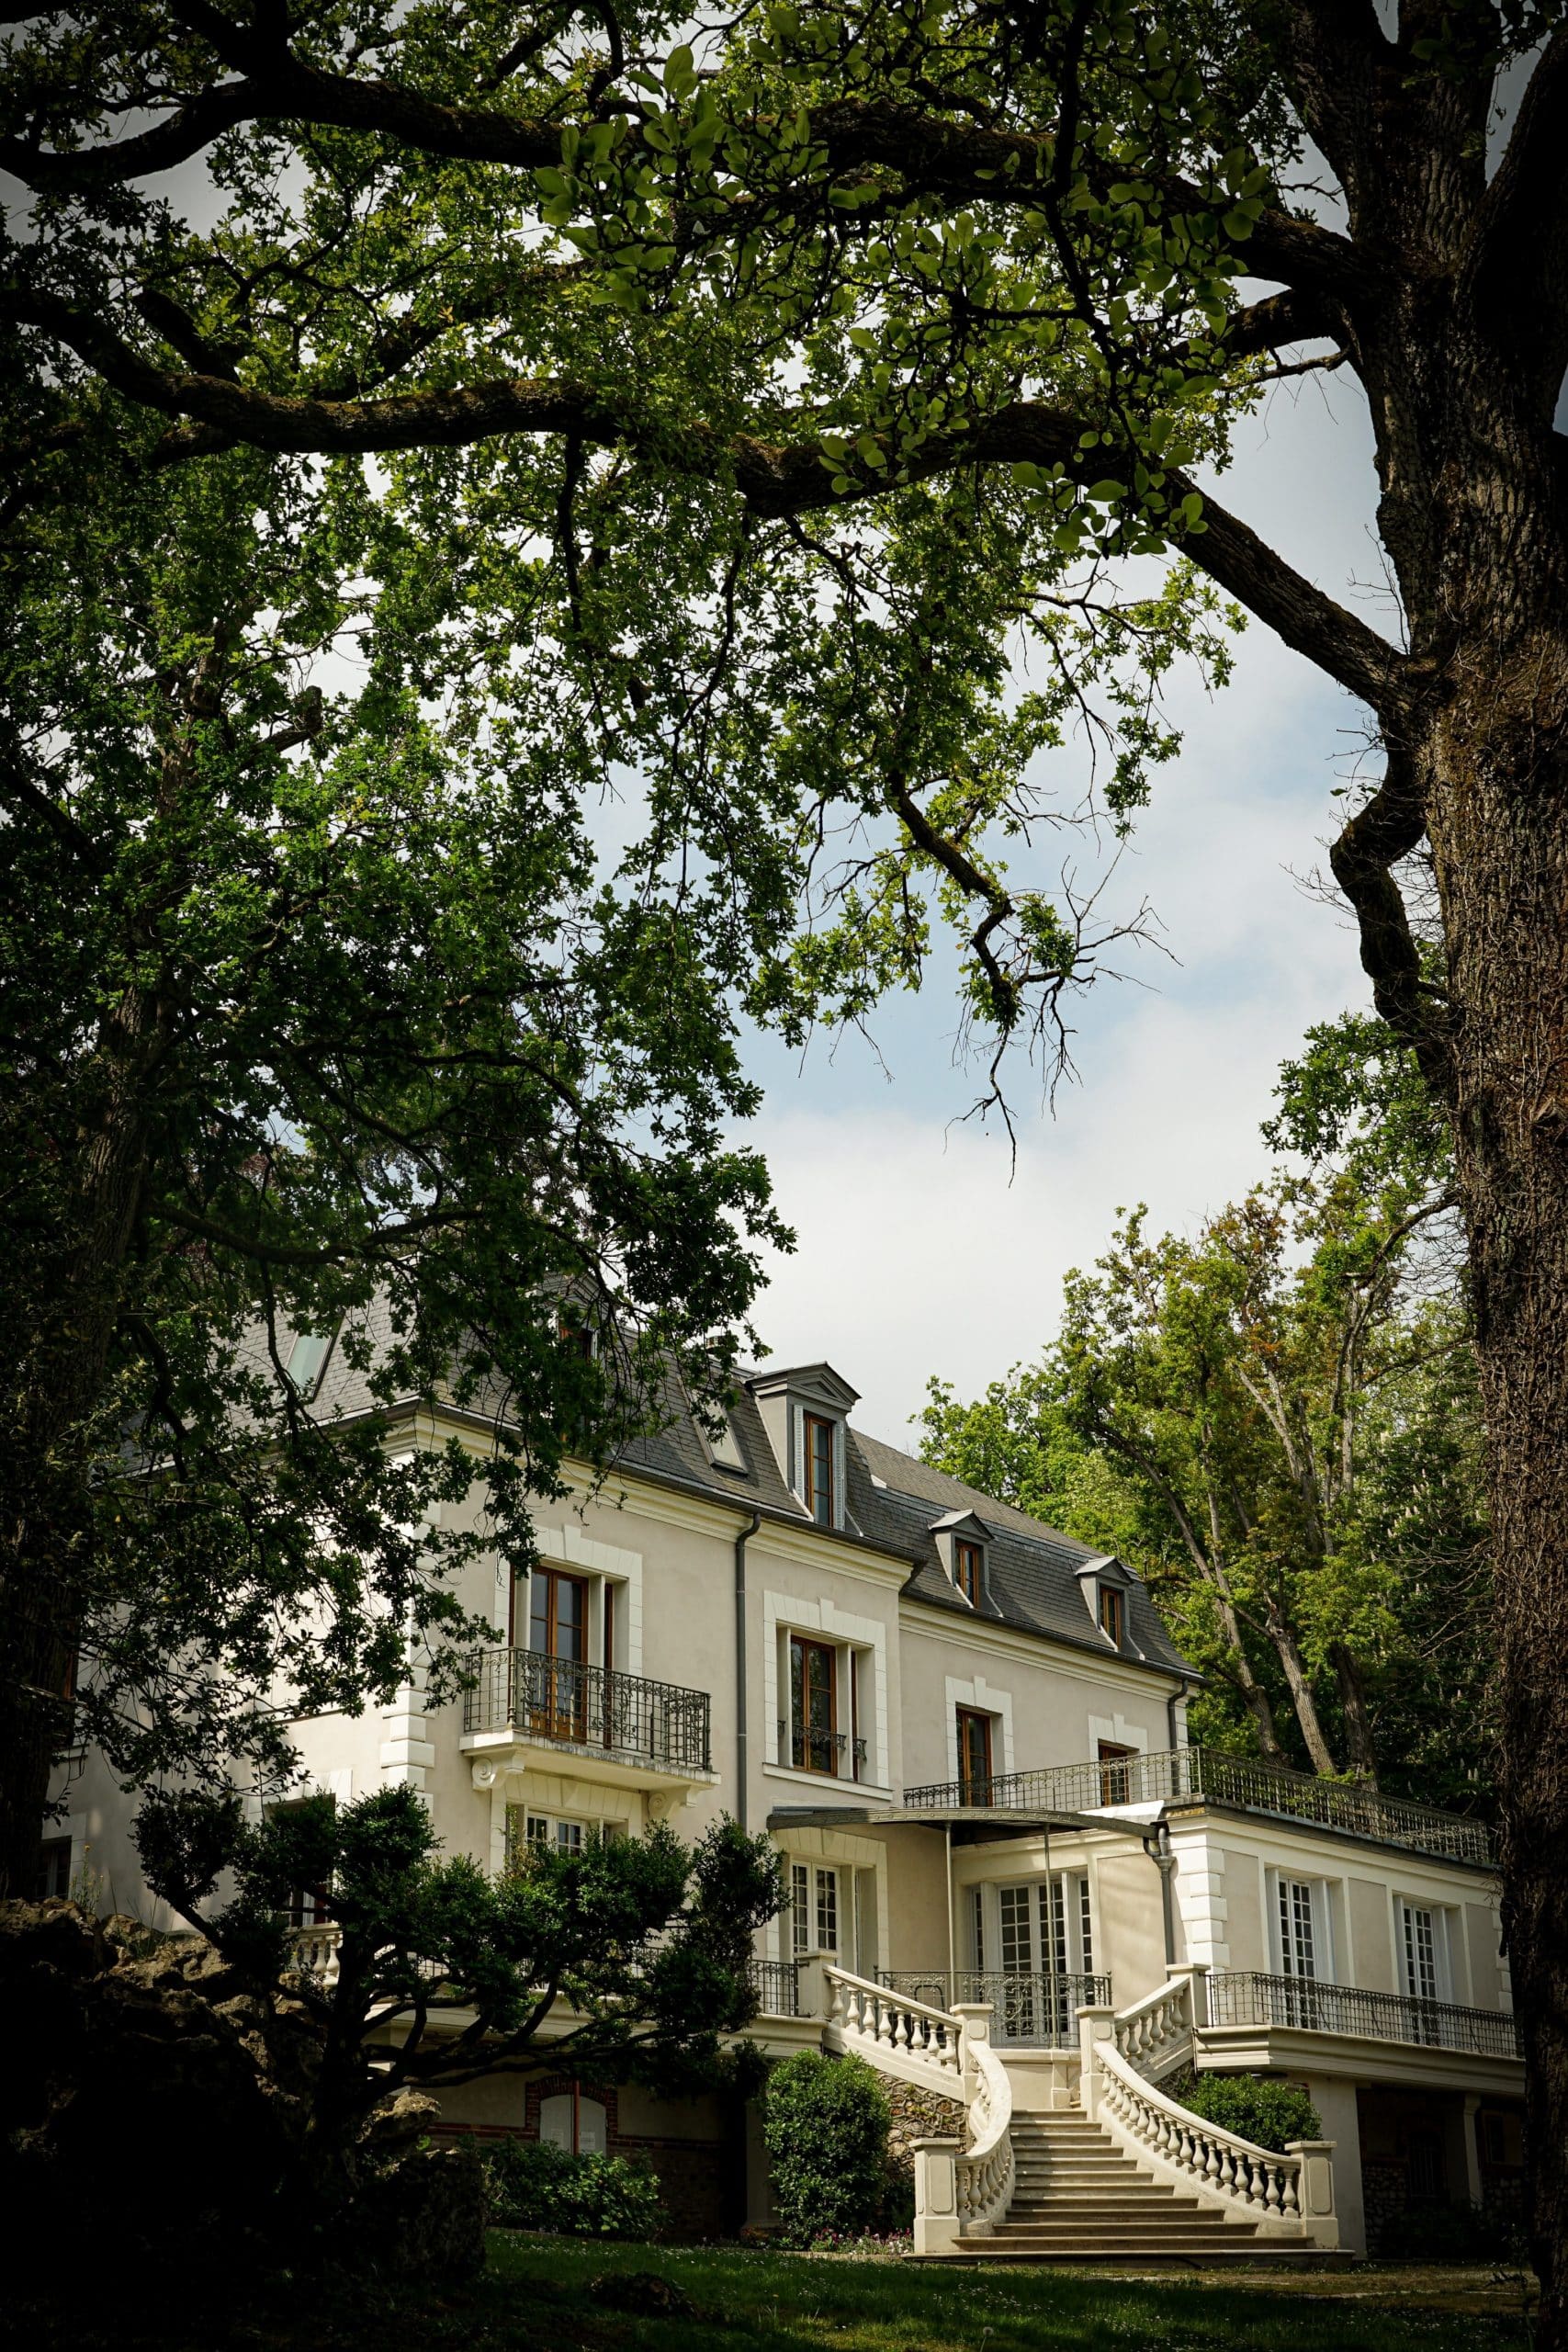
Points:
(1031, 2011)
(588, 1706)
(1307, 2005)
(809, 1749)
(1244, 1782)
(775, 1985)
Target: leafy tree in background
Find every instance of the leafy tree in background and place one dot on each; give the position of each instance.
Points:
(774, 379)
(1278, 1423)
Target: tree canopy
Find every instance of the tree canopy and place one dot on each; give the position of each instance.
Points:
(1278, 1424)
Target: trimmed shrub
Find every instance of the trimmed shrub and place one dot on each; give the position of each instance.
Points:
(1266, 2113)
(825, 2124)
(533, 2186)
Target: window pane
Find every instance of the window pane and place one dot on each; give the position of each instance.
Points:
(826, 1910)
(800, 1901)
(819, 1469)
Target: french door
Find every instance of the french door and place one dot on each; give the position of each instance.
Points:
(557, 1634)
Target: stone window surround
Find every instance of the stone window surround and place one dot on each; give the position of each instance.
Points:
(784, 1614)
(982, 1697)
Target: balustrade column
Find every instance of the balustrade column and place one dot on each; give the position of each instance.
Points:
(1095, 2025)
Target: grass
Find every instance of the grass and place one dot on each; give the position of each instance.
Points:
(535, 2296)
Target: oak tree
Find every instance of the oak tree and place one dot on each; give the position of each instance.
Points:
(831, 349)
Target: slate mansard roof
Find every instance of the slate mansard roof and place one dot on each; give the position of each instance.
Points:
(894, 1504)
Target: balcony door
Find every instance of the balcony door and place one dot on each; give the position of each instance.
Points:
(813, 1705)
(558, 1638)
(974, 1757)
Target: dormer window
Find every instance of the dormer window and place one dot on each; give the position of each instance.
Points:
(960, 1540)
(306, 1361)
(820, 1495)
(1113, 1613)
(724, 1448)
(804, 1412)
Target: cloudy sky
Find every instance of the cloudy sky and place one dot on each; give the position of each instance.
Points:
(917, 1255)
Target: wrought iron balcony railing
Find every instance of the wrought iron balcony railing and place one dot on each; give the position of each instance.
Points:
(1244, 1782)
(1241, 1998)
(588, 1706)
(1037, 2012)
(776, 1987)
(809, 1749)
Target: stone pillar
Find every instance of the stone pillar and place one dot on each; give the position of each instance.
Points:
(1095, 2025)
(407, 1752)
(1194, 1973)
(974, 2027)
(936, 2195)
(811, 1984)
(1316, 2189)
(1340, 2121)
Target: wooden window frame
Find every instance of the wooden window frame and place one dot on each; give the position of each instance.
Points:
(810, 1423)
(967, 1782)
(1114, 1788)
(802, 1731)
(969, 1568)
(1114, 1613)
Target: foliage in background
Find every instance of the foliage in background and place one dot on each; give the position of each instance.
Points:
(825, 2125)
(647, 1941)
(1269, 2114)
(533, 2186)
(1277, 1424)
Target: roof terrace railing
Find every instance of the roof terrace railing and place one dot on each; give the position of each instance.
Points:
(1308, 2005)
(1244, 1782)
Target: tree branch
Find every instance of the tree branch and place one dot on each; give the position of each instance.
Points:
(1389, 827)
(775, 479)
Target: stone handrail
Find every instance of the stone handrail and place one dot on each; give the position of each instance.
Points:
(1155, 2035)
(984, 2171)
(900, 2036)
(1284, 2196)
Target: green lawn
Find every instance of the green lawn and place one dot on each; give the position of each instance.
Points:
(536, 2296)
(767, 2302)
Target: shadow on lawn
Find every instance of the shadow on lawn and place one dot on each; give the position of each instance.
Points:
(536, 2295)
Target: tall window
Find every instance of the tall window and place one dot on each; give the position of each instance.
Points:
(1420, 1939)
(819, 1497)
(1298, 1942)
(558, 1615)
(1112, 1613)
(814, 1705)
(967, 1568)
(974, 1757)
(558, 1632)
(814, 1908)
(54, 1868)
(1086, 1931)
(1115, 1772)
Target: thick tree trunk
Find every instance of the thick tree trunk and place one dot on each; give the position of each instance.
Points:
(45, 1463)
(1498, 820)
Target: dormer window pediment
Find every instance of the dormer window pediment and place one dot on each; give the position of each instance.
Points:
(805, 1411)
(960, 1539)
(1106, 1585)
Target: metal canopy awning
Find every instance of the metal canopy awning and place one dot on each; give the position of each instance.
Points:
(970, 1825)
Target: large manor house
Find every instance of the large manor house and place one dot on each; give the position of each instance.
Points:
(1013, 1886)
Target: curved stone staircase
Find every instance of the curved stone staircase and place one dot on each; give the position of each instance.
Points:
(1125, 2176)
(1079, 2197)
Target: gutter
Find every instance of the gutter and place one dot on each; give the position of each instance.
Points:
(742, 1538)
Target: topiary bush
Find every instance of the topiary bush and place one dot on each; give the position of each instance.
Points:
(1267, 2113)
(533, 2186)
(825, 2124)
